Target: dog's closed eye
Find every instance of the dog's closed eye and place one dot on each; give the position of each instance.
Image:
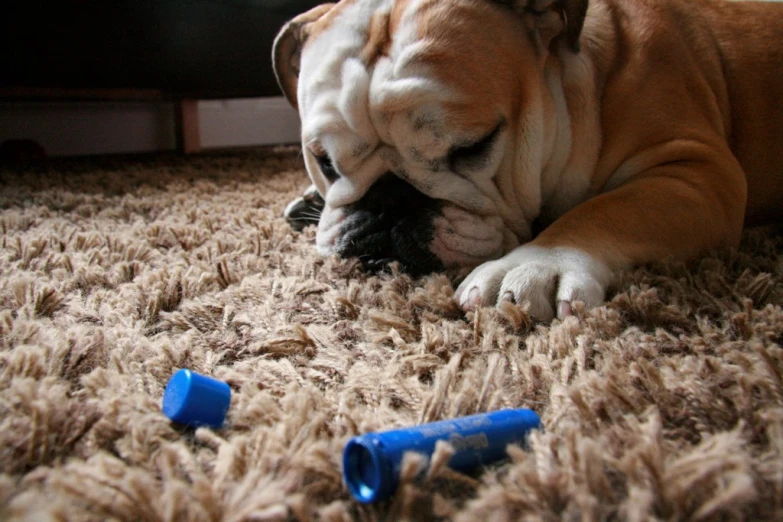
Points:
(475, 155)
(327, 167)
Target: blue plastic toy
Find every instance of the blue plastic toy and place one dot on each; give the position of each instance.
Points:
(196, 400)
(371, 462)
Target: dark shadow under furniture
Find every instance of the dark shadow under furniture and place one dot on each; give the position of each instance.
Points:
(142, 50)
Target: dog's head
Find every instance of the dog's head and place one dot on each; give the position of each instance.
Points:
(425, 123)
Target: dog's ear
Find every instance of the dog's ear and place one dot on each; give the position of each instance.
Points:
(287, 50)
(554, 18)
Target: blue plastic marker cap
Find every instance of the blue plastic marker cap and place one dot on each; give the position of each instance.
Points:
(196, 400)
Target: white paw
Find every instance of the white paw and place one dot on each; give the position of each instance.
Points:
(549, 279)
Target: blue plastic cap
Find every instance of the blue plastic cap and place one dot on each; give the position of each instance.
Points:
(196, 400)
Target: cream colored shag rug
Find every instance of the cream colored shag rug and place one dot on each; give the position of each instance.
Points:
(665, 404)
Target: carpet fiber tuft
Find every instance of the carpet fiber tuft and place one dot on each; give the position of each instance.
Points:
(666, 404)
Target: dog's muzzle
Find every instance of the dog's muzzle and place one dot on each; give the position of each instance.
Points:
(392, 222)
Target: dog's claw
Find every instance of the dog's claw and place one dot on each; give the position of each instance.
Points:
(564, 310)
(473, 300)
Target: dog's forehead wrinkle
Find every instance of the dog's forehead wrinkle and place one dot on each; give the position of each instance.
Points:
(410, 55)
(333, 77)
(425, 119)
(344, 93)
(391, 115)
(435, 164)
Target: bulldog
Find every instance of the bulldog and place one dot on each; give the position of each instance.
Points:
(446, 133)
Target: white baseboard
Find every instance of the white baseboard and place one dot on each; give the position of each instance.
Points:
(82, 128)
(85, 128)
(247, 122)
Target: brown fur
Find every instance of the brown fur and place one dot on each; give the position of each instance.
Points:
(690, 109)
(689, 74)
(379, 40)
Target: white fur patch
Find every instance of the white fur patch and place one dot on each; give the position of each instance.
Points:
(541, 277)
(329, 229)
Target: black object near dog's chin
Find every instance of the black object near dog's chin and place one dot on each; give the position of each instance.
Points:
(392, 222)
(305, 210)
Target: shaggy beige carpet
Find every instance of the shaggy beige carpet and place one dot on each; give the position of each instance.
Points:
(665, 404)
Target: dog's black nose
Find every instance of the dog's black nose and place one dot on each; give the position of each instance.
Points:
(392, 222)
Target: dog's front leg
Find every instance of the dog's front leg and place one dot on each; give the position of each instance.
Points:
(677, 210)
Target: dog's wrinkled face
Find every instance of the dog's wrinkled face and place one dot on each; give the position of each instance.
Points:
(424, 128)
